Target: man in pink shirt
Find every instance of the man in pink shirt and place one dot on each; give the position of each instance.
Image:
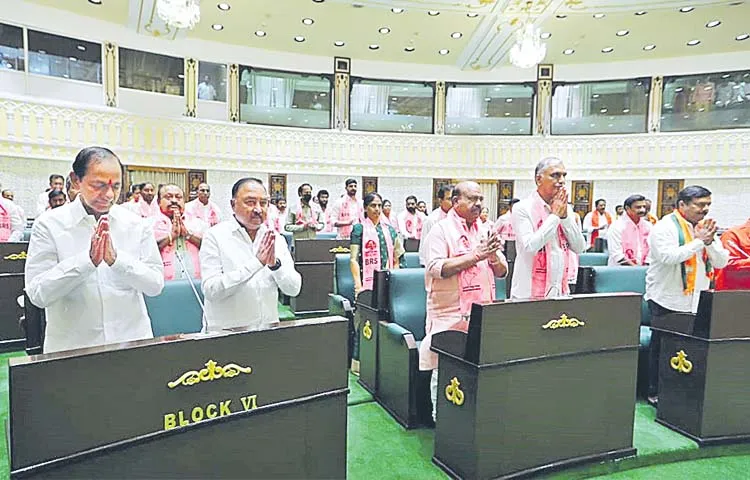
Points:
(503, 225)
(410, 220)
(628, 236)
(347, 211)
(202, 207)
(461, 270)
(148, 207)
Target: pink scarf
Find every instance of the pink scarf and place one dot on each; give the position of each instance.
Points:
(413, 224)
(371, 251)
(198, 211)
(148, 211)
(346, 214)
(6, 228)
(476, 284)
(301, 218)
(540, 275)
(632, 235)
(162, 228)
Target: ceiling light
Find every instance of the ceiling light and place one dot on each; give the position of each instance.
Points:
(260, 33)
(444, 51)
(397, 10)
(472, 15)
(649, 47)
(457, 35)
(384, 30)
(603, 110)
(308, 21)
(508, 100)
(561, 16)
(713, 23)
(318, 1)
(596, 95)
(339, 43)
(299, 38)
(433, 13)
(409, 49)
(693, 43)
(223, 7)
(641, 12)
(625, 110)
(599, 15)
(179, 13)
(217, 26)
(568, 51)
(96, 2)
(545, 35)
(726, 75)
(687, 9)
(73, 59)
(507, 114)
(528, 50)
(608, 50)
(82, 48)
(622, 33)
(374, 47)
(742, 37)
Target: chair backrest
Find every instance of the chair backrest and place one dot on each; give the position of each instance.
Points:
(412, 260)
(343, 283)
(407, 300)
(590, 259)
(328, 235)
(175, 310)
(623, 279)
(26, 234)
(500, 289)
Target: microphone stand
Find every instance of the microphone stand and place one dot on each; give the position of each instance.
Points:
(195, 292)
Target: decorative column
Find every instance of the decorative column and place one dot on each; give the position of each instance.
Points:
(439, 111)
(234, 92)
(543, 114)
(654, 104)
(111, 77)
(342, 71)
(191, 87)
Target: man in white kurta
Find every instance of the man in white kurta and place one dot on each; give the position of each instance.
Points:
(90, 277)
(244, 264)
(203, 208)
(56, 182)
(550, 233)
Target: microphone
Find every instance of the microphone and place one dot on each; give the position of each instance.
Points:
(192, 287)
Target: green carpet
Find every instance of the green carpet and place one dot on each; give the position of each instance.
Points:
(723, 468)
(357, 394)
(4, 466)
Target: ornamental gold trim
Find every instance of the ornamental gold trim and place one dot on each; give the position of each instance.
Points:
(563, 322)
(213, 371)
(453, 393)
(339, 249)
(680, 363)
(367, 330)
(16, 256)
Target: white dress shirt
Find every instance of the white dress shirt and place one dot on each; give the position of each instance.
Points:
(614, 240)
(530, 240)
(664, 275)
(433, 218)
(87, 305)
(239, 290)
(588, 225)
(17, 222)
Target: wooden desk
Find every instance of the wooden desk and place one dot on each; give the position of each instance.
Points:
(12, 263)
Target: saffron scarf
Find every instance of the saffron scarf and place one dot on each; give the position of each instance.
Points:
(595, 224)
(689, 268)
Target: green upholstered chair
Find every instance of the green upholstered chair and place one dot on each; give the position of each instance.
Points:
(500, 289)
(591, 259)
(176, 310)
(412, 260)
(341, 301)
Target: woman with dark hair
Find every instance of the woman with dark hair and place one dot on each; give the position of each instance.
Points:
(385, 215)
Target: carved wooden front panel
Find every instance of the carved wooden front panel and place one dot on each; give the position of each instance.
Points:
(668, 190)
(369, 185)
(436, 184)
(581, 195)
(277, 186)
(504, 196)
(195, 178)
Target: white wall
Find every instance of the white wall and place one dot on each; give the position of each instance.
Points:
(616, 191)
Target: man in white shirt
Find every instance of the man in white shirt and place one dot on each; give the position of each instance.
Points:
(681, 258)
(445, 197)
(545, 232)
(202, 207)
(147, 206)
(596, 222)
(90, 262)
(56, 182)
(206, 90)
(628, 236)
(244, 264)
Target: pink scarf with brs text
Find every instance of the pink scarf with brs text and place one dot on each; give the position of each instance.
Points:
(631, 236)
(347, 212)
(6, 228)
(540, 274)
(476, 284)
(371, 251)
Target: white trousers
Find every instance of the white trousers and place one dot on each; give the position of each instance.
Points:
(433, 393)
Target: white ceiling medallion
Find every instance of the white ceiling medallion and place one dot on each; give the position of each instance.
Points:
(528, 50)
(179, 13)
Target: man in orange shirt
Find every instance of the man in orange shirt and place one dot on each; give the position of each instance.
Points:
(736, 275)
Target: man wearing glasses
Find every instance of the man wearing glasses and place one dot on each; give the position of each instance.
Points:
(203, 208)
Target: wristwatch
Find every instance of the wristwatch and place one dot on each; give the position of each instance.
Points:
(276, 266)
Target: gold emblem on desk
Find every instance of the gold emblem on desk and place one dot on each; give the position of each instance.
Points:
(680, 363)
(16, 256)
(563, 322)
(339, 249)
(454, 394)
(213, 371)
(367, 330)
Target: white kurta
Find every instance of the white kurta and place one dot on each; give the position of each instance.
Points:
(87, 305)
(239, 290)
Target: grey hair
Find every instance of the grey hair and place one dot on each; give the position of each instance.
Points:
(545, 163)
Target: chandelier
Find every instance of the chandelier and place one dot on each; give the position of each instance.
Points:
(528, 50)
(179, 13)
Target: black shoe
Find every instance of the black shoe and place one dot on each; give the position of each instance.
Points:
(653, 400)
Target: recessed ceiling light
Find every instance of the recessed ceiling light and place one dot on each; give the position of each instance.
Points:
(568, 51)
(409, 49)
(73, 59)
(260, 33)
(457, 35)
(649, 47)
(444, 51)
(397, 10)
(339, 43)
(713, 23)
(433, 13)
(82, 48)
(687, 9)
(625, 110)
(622, 33)
(373, 47)
(299, 38)
(308, 21)
(693, 43)
(742, 37)
(384, 30)
(608, 50)
(223, 7)
(599, 15)
(472, 15)
(561, 16)
(545, 35)
(726, 75)
(96, 2)
(641, 12)
(603, 110)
